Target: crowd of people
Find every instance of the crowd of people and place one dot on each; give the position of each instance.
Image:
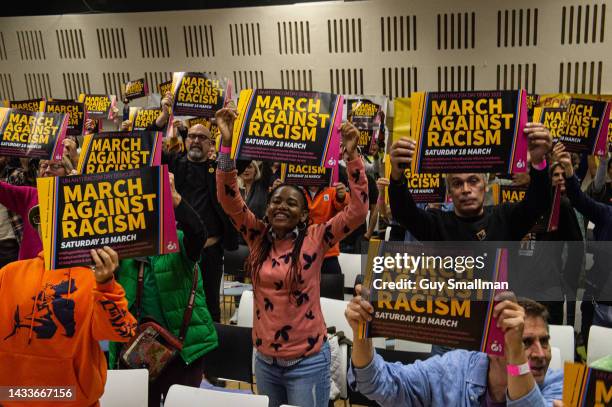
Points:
(51, 321)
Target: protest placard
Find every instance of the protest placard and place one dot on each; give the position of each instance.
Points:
(130, 211)
(308, 175)
(31, 105)
(136, 89)
(367, 113)
(75, 110)
(164, 88)
(32, 134)
(116, 151)
(469, 131)
(288, 126)
(426, 188)
(141, 118)
(586, 387)
(585, 126)
(199, 94)
(98, 106)
(442, 294)
(553, 118)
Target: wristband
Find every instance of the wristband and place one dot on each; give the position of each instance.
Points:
(225, 149)
(540, 166)
(518, 370)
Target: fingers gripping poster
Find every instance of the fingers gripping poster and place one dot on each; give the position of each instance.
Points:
(130, 211)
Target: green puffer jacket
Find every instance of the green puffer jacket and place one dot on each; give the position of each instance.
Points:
(173, 276)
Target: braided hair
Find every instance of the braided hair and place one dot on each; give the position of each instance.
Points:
(262, 246)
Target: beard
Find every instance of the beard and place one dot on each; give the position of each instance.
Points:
(195, 154)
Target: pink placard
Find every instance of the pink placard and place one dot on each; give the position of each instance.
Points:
(519, 162)
(169, 243)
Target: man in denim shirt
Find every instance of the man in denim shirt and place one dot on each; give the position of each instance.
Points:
(460, 377)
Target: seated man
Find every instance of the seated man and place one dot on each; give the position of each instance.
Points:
(461, 377)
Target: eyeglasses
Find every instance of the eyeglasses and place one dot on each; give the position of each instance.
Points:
(54, 167)
(202, 137)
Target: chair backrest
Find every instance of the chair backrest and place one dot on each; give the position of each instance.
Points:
(181, 396)
(410, 346)
(555, 361)
(126, 388)
(562, 337)
(233, 262)
(233, 358)
(332, 286)
(351, 268)
(600, 339)
(333, 314)
(245, 309)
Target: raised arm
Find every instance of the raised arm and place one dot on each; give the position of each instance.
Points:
(523, 215)
(419, 222)
(16, 198)
(596, 212)
(228, 193)
(354, 214)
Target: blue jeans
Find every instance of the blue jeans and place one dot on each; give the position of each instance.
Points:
(305, 384)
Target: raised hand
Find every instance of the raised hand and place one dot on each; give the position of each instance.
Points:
(350, 138)
(225, 123)
(401, 154)
(540, 141)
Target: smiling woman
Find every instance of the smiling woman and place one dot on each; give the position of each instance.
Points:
(286, 254)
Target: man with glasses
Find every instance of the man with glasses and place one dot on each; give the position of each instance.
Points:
(195, 180)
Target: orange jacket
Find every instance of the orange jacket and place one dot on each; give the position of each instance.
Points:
(50, 325)
(323, 207)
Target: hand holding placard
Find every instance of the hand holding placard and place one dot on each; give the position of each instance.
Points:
(401, 154)
(564, 158)
(106, 262)
(540, 141)
(225, 123)
(350, 139)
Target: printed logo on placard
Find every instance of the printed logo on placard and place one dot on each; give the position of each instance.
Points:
(171, 245)
(496, 347)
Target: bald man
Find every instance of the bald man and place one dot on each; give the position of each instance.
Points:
(194, 175)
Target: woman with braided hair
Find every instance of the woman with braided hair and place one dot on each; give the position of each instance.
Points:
(286, 252)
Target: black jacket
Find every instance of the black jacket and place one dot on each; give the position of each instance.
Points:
(181, 168)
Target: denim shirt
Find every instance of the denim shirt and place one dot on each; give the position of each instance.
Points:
(456, 379)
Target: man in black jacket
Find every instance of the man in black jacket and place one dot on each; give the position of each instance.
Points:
(195, 181)
(471, 220)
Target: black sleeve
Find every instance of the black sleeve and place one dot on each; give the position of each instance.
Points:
(572, 235)
(192, 226)
(419, 222)
(154, 127)
(523, 215)
(372, 190)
